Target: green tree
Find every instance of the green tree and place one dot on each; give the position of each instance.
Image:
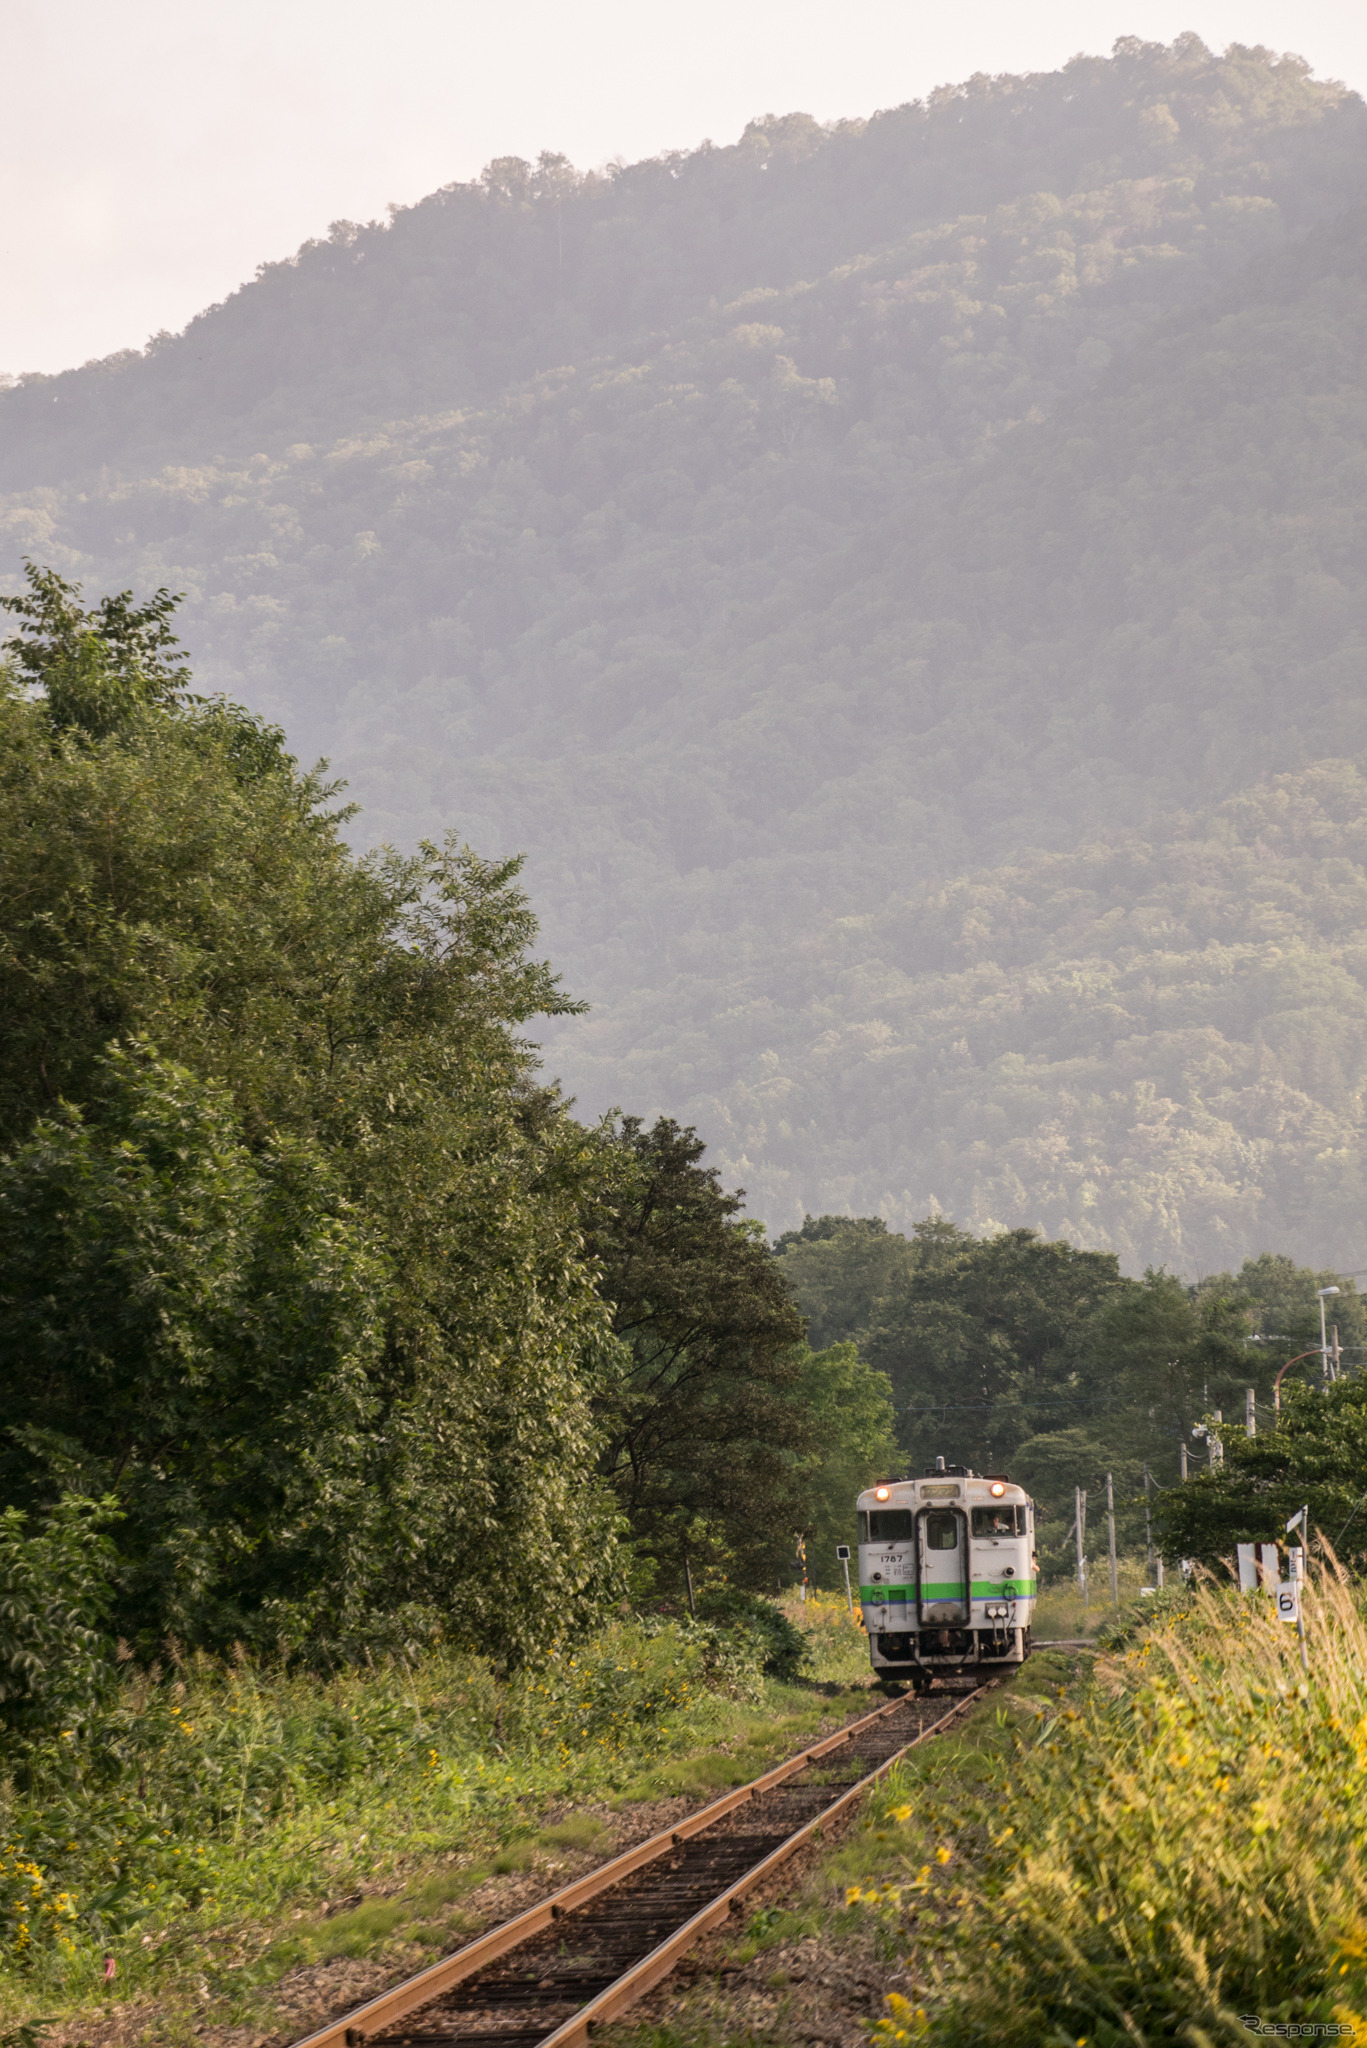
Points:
(837, 1267)
(202, 1328)
(706, 1436)
(985, 1340)
(268, 1111)
(1316, 1456)
(1163, 1355)
(848, 1406)
(95, 667)
(1281, 1300)
(56, 1596)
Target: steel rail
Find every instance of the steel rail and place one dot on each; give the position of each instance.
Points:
(366, 2022)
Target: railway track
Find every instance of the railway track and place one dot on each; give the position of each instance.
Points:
(548, 1977)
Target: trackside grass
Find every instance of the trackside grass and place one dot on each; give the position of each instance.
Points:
(1161, 1844)
(225, 1825)
(1176, 1849)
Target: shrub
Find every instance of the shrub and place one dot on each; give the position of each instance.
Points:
(783, 1649)
(609, 1690)
(56, 1665)
(183, 1786)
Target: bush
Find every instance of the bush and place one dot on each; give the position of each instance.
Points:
(783, 1649)
(56, 1664)
(618, 1686)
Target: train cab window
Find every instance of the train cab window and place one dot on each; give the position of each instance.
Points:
(999, 1521)
(885, 1525)
(942, 1531)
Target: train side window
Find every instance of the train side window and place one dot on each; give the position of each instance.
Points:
(942, 1531)
(1002, 1521)
(889, 1525)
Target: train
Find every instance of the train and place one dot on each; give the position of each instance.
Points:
(947, 1574)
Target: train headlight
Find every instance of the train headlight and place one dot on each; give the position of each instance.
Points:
(996, 1489)
(881, 1492)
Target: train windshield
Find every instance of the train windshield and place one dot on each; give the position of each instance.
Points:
(942, 1531)
(999, 1521)
(885, 1525)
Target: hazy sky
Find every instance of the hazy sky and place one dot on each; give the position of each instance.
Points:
(153, 152)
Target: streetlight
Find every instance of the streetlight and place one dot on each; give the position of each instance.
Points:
(1322, 1292)
(1277, 1383)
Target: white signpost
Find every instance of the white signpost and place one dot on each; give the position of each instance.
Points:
(1295, 1568)
(1260, 1565)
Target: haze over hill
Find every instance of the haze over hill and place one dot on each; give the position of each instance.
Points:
(897, 582)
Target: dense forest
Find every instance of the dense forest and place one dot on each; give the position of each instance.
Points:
(876, 575)
(1015, 1352)
(1152, 1045)
(331, 1316)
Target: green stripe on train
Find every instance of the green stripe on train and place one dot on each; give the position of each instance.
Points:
(983, 1589)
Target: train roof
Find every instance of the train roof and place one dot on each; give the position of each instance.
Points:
(987, 1486)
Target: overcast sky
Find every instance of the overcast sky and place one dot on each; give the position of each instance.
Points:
(153, 152)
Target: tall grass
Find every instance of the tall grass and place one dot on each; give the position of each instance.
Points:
(217, 1792)
(1061, 1613)
(221, 1823)
(838, 1646)
(1172, 1855)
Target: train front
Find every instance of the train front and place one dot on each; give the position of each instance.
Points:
(947, 1574)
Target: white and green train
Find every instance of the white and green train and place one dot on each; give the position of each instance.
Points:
(947, 1574)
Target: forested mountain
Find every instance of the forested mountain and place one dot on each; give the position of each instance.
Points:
(874, 572)
(1154, 1045)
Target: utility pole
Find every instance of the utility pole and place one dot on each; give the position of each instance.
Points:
(1080, 1523)
(1110, 1539)
(1182, 1454)
(1250, 1412)
(1322, 1294)
(1155, 1576)
(1215, 1449)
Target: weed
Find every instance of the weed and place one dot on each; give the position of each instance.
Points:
(1179, 1842)
(225, 1823)
(837, 1645)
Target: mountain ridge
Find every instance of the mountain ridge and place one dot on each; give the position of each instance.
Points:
(983, 141)
(1033, 527)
